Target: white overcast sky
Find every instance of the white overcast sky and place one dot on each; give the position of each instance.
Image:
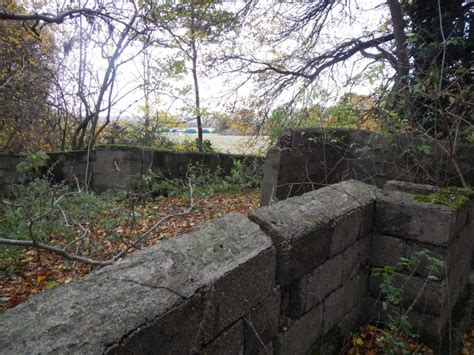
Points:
(368, 15)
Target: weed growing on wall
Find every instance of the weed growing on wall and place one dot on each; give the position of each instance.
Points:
(398, 331)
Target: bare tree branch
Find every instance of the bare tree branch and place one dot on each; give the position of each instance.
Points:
(48, 17)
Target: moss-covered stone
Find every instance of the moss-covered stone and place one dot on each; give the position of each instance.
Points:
(453, 197)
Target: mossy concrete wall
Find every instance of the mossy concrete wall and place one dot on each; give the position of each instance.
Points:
(296, 277)
(307, 159)
(111, 167)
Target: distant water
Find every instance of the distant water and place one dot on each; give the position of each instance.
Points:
(228, 144)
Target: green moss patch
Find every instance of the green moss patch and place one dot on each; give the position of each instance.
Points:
(453, 197)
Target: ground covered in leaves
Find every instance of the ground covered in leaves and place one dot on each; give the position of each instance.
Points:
(372, 340)
(109, 232)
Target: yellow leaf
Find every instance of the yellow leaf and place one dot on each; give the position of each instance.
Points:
(51, 284)
(357, 341)
(40, 278)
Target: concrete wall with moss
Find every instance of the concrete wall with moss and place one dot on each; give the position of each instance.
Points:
(307, 159)
(295, 277)
(111, 167)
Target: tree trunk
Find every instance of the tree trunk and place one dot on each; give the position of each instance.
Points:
(196, 82)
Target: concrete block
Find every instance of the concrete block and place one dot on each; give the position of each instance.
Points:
(470, 212)
(337, 304)
(313, 287)
(426, 268)
(461, 218)
(230, 341)
(425, 296)
(352, 320)
(299, 226)
(430, 328)
(301, 239)
(354, 257)
(175, 332)
(298, 337)
(267, 349)
(179, 280)
(367, 220)
(386, 250)
(462, 245)
(261, 324)
(234, 294)
(361, 286)
(410, 187)
(345, 231)
(398, 214)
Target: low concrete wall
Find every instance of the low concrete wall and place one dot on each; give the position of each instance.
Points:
(111, 168)
(294, 278)
(307, 159)
(404, 227)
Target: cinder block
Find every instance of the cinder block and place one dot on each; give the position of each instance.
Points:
(355, 257)
(352, 320)
(361, 286)
(430, 328)
(261, 324)
(462, 245)
(230, 341)
(337, 304)
(426, 268)
(199, 281)
(424, 295)
(234, 294)
(298, 337)
(409, 187)
(267, 349)
(345, 232)
(398, 214)
(470, 212)
(367, 220)
(386, 250)
(461, 218)
(313, 287)
(301, 238)
(175, 332)
(299, 226)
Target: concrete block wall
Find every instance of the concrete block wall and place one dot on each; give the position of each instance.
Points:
(111, 168)
(293, 278)
(322, 243)
(195, 293)
(403, 227)
(310, 158)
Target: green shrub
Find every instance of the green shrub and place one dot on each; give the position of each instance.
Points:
(398, 329)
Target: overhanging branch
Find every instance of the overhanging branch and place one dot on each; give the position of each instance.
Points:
(48, 17)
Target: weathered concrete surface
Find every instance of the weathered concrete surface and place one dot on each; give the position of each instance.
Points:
(409, 187)
(398, 214)
(423, 295)
(230, 341)
(345, 232)
(314, 287)
(174, 281)
(310, 158)
(300, 226)
(298, 337)
(386, 250)
(261, 324)
(111, 167)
